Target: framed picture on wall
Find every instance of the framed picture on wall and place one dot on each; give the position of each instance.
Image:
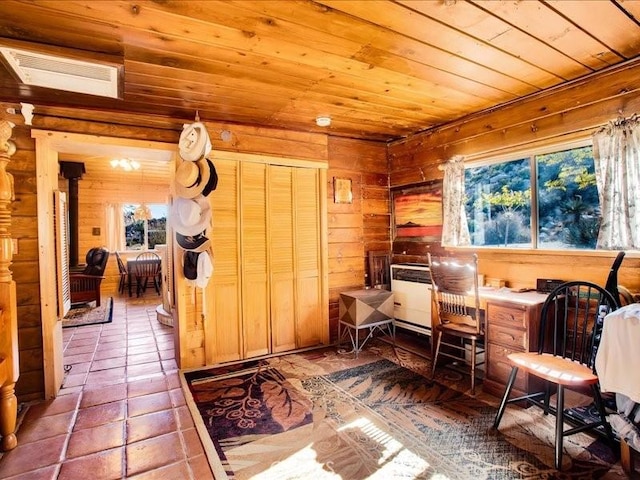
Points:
(417, 212)
(342, 190)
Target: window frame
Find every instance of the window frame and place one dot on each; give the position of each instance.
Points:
(487, 159)
(145, 226)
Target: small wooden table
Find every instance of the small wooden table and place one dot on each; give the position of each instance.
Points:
(370, 309)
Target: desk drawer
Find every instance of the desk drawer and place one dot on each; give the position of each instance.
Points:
(509, 337)
(514, 316)
(499, 367)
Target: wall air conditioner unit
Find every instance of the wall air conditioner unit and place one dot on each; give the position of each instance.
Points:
(72, 71)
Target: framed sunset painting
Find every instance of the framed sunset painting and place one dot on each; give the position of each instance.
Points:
(417, 212)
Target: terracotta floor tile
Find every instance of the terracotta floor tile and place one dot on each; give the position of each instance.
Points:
(70, 390)
(111, 345)
(79, 358)
(176, 471)
(74, 380)
(99, 466)
(32, 456)
(149, 403)
(106, 377)
(167, 354)
(110, 353)
(58, 405)
(146, 340)
(107, 363)
(80, 349)
(150, 425)
(78, 342)
(153, 453)
(143, 358)
(100, 415)
(173, 380)
(46, 473)
(177, 397)
(96, 439)
(145, 387)
(192, 443)
(200, 467)
(35, 428)
(185, 420)
(99, 395)
(143, 369)
(142, 349)
(169, 365)
(80, 367)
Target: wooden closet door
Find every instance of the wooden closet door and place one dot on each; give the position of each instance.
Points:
(223, 322)
(311, 328)
(255, 286)
(281, 258)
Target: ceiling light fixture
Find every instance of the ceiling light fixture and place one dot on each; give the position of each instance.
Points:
(323, 120)
(126, 164)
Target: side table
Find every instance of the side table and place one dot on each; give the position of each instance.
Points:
(365, 309)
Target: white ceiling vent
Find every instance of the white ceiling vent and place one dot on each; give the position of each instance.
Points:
(50, 71)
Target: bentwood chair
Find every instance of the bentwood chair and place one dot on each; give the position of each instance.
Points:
(147, 267)
(570, 327)
(460, 321)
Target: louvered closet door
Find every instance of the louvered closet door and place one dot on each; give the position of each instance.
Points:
(255, 282)
(223, 324)
(281, 258)
(310, 325)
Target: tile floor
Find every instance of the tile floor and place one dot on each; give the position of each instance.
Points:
(121, 412)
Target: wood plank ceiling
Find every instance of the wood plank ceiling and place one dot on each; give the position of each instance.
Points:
(382, 70)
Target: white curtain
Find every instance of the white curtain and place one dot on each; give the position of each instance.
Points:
(616, 154)
(115, 228)
(455, 230)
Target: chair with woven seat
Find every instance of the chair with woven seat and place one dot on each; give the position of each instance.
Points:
(85, 286)
(570, 327)
(147, 267)
(455, 288)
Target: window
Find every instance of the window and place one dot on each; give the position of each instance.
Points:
(145, 226)
(546, 200)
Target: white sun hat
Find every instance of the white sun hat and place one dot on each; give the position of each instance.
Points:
(194, 142)
(191, 216)
(205, 269)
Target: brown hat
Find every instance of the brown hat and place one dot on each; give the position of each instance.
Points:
(194, 178)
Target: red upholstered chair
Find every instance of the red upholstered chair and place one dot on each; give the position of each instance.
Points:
(85, 286)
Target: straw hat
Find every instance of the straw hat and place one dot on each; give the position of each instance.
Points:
(195, 178)
(191, 216)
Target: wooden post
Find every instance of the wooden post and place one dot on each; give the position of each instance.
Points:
(9, 364)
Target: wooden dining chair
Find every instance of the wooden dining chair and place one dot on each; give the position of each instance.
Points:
(570, 326)
(147, 267)
(460, 323)
(124, 274)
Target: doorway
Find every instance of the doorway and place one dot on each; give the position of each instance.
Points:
(49, 146)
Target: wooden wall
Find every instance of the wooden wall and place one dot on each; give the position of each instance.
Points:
(353, 228)
(562, 114)
(359, 227)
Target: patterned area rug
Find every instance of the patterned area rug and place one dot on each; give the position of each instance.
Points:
(89, 314)
(322, 415)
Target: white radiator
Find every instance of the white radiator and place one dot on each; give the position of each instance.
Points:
(411, 287)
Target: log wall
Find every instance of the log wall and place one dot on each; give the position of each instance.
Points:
(353, 229)
(562, 114)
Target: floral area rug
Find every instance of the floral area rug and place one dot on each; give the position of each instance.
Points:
(325, 415)
(89, 314)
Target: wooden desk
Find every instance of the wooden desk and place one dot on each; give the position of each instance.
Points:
(511, 325)
(131, 269)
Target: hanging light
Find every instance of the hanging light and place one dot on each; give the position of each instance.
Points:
(124, 163)
(142, 212)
